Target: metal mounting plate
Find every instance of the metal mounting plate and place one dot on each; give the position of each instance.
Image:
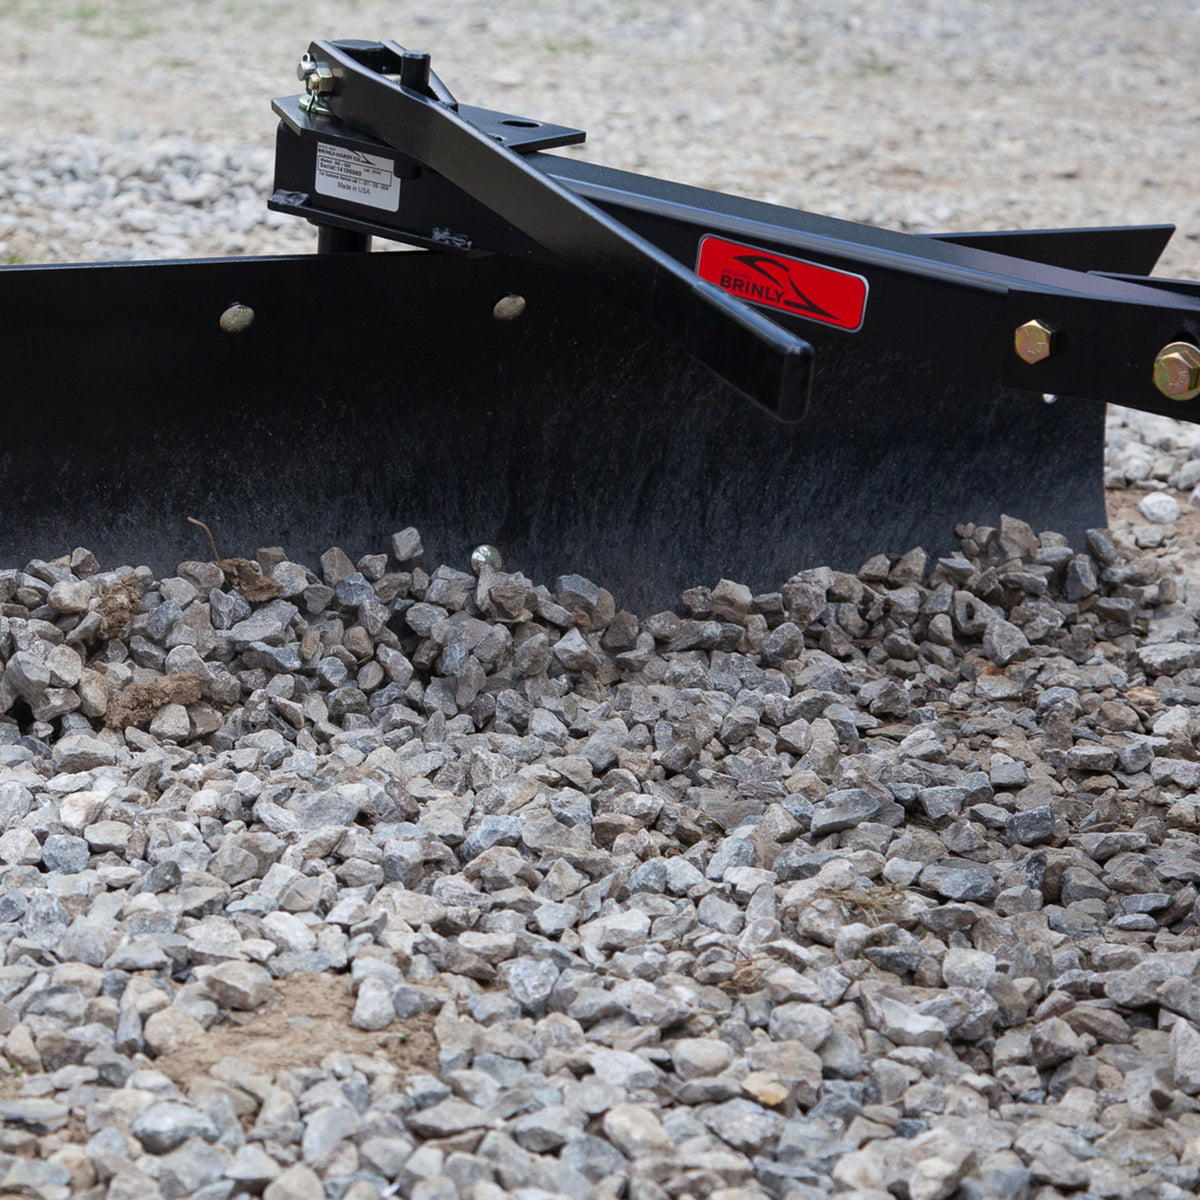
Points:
(523, 134)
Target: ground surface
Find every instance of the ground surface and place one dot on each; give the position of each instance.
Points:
(143, 130)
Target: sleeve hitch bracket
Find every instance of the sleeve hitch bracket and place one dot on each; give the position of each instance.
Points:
(390, 94)
(378, 146)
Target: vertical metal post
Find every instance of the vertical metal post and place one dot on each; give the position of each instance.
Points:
(414, 71)
(331, 240)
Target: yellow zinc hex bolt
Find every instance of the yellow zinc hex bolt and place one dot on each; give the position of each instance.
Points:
(1177, 371)
(1034, 341)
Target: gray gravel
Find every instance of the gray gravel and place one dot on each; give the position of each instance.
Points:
(883, 884)
(899, 885)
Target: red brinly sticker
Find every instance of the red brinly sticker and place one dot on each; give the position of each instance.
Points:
(791, 285)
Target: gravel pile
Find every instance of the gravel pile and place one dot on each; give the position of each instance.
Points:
(1153, 453)
(882, 881)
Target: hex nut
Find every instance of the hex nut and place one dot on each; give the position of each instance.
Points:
(1034, 341)
(1177, 371)
(320, 80)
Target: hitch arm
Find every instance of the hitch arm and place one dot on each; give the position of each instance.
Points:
(389, 93)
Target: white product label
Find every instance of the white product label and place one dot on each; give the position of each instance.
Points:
(352, 175)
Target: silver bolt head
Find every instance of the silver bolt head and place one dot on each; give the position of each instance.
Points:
(485, 556)
(305, 67)
(508, 308)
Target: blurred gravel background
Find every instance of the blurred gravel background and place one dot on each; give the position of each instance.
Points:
(917, 116)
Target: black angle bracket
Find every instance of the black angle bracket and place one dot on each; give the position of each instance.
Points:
(389, 93)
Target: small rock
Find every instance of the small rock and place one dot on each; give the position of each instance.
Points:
(574, 653)
(70, 596)
(1052, 1042)
(1033, 827)
(636, 1130)
(1159, 508)
(324, 1129)
(447, 1118)
(744, 1125)
(252, 1168)
(618, 931)
(901, 1023)
(962, 883)
(1004, 643)
(170, 1030)
(694, 1058)
(373, 1008)
(171, 723)
(1185, 1057)
(64, 853)
(843, 810)
(82, 752)
(166, 1125)
(406, 545)
(37, 1114)
(1167, 658)
(239, 985)
(298, 1182)
(968, 968)
(530, 982)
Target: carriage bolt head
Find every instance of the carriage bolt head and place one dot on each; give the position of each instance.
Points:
(1177, 371)
(1034, 341)
(237, 318)
(508, 308)
(485, 556)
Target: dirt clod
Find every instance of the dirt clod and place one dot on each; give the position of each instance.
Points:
(118, 606)
(309, 1019)
(136, 703)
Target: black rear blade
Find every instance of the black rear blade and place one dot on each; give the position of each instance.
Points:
(378, 391)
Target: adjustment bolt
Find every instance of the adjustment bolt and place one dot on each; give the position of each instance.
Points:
(1177, 371)
(317, 77)
(1034, 341)
(485, 556)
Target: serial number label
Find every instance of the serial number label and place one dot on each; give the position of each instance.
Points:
(351, 175)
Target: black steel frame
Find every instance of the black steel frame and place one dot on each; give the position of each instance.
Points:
(475, 181)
